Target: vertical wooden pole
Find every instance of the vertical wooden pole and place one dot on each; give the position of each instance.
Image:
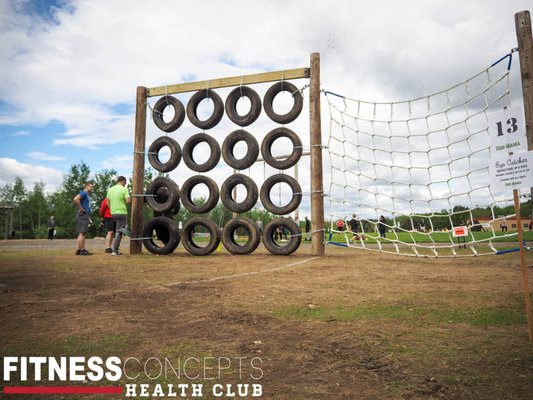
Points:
(525, 49)
(317, 180)
(138, 170)
(523, 267)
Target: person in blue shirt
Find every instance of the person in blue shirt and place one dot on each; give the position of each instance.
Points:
(83, 217)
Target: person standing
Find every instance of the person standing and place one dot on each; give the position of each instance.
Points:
(109, 225)
(354, 228)
(503, 225)
(382, 226)
(307, 228)
(51, 227)
(83, 217)
(118, 198)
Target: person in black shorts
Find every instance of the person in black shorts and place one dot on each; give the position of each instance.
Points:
(83, 217)
(353, 224)
(109, 225)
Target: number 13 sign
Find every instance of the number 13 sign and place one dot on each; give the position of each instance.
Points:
(507, 131)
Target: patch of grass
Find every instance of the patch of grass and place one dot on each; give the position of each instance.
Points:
(437, 237)
(485, 316)
(76, 345)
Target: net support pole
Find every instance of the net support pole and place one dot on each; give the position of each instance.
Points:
(525, 48)
(138, 170)
(317, 180)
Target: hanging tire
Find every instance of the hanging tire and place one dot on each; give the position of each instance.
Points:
(297, 106)
(231, 106)
(251, 193)
(228, 238)
(187, 235)
(159, 203)
(165, 230)
(186, 192)
(188, 149)
(296, 194)
(229, 144)
(266, 148)
(175, 154)
(293, 243)
(192, 108)
(161, 197)
(179, 113)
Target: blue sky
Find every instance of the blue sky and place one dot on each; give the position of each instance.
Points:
(70, 67)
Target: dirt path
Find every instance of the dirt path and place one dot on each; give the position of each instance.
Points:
(352, 325)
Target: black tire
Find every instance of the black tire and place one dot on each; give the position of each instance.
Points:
(228, 238)
(229, 144)
(192, 108)
(175, 154)
(296, 194)
(297, 106)
(161, 197)
(266, 148)
(187, 236)
(188, 149)
(251, 193)
(231, 106)
(294, 241)
(186, 191)
(159, 203)
(179, 113)
(166, 231)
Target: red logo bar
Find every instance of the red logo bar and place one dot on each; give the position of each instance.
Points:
(63, 390)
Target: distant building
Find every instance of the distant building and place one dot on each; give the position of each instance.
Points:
(489, 223)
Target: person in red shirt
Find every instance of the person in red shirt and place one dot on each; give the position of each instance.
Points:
(109, 224)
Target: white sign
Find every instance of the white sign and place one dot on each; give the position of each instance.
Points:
(507, 131)
(511, 172)
(460, 231)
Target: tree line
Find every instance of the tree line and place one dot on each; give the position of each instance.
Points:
(33, 206)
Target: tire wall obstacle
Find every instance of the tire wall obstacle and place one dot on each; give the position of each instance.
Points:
(163, 195)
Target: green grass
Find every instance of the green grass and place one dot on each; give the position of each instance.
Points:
(437, 237)
(76, 345)
(416, 314)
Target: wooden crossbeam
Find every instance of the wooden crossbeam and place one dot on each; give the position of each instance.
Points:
(231, 81)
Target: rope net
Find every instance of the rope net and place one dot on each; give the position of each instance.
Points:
(422, 164)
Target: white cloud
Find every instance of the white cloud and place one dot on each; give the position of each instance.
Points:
(38, 155)
(97, 55)
(29, 173)
(120, 164)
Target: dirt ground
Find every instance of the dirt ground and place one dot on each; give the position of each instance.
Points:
(351, 325)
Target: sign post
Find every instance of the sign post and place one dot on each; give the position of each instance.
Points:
(525, 49)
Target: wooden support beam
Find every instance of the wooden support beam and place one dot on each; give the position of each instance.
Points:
(232, 81)
(525, 49)
(138, 171)
(317, 179)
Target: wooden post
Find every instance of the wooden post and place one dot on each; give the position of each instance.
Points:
(525, 49)
(138, 171)
(317, 180)
(523, 263)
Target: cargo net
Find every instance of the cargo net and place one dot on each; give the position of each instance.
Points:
(406, 177)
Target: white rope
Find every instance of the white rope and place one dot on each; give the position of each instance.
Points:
(421, 162)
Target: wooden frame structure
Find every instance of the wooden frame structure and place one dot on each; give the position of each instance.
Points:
(525, 51)
(317, 189)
